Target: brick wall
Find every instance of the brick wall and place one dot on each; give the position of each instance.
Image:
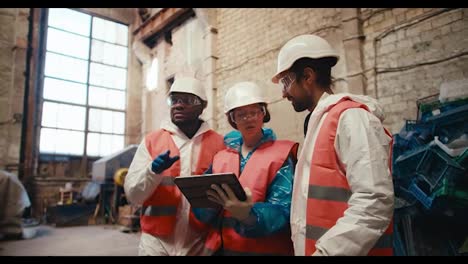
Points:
(248, 44)
(13, 44)
(412, 51)
(415, 51)
(192, 39)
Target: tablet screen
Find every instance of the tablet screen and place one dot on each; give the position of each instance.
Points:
(194, 188)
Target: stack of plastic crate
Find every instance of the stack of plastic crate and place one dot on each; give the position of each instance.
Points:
(438, 175)
(430, 172)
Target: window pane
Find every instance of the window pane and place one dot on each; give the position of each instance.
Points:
(70, 20)
(117, 143)
(67, 68)
(103, 145)
(110, 31)
(108, 76)
(118, 124)
(47, 141)
(61, 141)
(94, 120)
(64, 91)
(97, 96)
(71, 117)
(116, 99)
(106, 98)
(63, 116)
(108, 53)
(67, 43)
(92, 149)
(106, 121)
(49, 114)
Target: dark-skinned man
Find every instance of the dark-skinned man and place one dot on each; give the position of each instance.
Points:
(183, 146)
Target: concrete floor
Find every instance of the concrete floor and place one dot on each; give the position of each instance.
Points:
(93, 240)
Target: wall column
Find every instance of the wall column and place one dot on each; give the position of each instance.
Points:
(352, 42)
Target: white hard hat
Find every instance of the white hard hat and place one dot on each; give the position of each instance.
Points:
(188, 85)
(303, 46)
(241, 94)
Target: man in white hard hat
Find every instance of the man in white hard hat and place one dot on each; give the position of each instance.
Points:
(343, 193)
(184, 146)
(265, 168)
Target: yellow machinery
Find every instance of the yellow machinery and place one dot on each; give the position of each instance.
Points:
(119, 176)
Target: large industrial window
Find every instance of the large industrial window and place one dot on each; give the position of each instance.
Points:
(84, 85)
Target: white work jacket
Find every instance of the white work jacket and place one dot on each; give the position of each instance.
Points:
(140, 183)
(363, 150)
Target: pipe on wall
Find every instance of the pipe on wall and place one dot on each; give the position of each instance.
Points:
(26, 164)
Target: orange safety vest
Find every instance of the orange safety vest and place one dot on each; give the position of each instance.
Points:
(159, 210)
(257, 175)
(328, 187)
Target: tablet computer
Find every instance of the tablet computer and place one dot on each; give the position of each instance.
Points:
(194, 188)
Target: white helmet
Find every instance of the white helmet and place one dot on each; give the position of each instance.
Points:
(241, 94)
(188, 85)
(303, 46)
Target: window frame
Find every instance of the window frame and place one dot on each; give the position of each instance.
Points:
(40, 81)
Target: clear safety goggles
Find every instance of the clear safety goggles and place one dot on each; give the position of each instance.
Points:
(183, 99)
(243, 116)
(287, 80)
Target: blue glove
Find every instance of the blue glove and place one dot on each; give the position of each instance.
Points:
(163, 162)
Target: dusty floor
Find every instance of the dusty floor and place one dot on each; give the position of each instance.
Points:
(93, 240)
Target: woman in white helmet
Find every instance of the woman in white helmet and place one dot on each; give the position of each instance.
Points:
(343, 192)
(265, 167)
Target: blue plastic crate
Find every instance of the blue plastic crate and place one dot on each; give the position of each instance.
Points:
(405, 165)
(451, 190)
(462, 159)
(402, 192)
(436, 108)
(436, 165)
(426, 105)
(451, 124)
(419, 194)
(417, 126)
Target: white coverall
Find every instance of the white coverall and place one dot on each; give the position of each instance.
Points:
(363, 149)
(140, 183)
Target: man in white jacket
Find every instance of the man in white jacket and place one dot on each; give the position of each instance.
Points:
(343, 193)
(184, 146)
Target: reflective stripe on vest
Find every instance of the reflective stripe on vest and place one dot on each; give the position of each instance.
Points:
(257, 175)
(159, 210)
(329, 191)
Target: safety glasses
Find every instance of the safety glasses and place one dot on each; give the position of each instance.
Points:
(183, 99)
(287, 80)
(243, 116)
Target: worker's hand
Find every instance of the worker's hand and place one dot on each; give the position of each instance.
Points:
(163, 162)
(225, 196)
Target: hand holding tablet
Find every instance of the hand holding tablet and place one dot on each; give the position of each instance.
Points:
(195, 187)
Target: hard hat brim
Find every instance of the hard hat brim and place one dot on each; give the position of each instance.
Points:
(275, 78)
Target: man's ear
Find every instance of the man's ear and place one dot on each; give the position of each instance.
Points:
(309, 75)
(204, 104)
